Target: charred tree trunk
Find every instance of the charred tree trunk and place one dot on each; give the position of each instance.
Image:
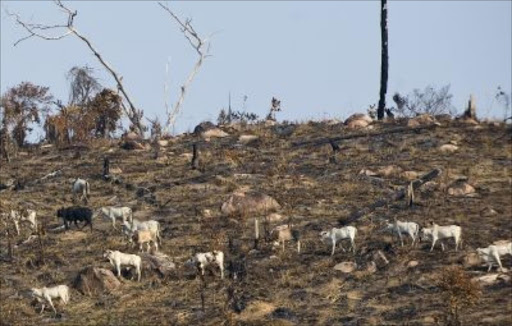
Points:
(384, 66)
(195, 158)
(106, 168)
(398, 195)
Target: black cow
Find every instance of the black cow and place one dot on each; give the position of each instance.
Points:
(75, 214)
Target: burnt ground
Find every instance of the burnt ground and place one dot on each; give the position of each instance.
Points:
(315, 194)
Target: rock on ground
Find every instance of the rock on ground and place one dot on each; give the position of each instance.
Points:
(346, 267)
(94, 280)
(249, 203)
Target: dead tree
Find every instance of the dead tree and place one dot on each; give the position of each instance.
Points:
(398, 195)
(335, 149)
(106, 168)
(202, 47)
(41, 30)
(195, 158)
(470, 112)
(384, 65)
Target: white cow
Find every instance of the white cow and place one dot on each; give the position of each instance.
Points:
(81, 188)
(398, 227)
(492, 253)
(117, 259)
(336, 234)
(202, 260)
(45, 295)
(113, 213)
(437, 232)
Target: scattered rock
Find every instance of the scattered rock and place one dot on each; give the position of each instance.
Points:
(214, 133)
(422, 120)
(410, 175)
(472, 259)
(94, 280)
(206, 213)
(448, 148)
(359, 116)
(275, 217)
(389, 170)
(371, 267)
(346, 267)
(357, 124)
(246, 139)
(488, 211)
(187, 156)
(116, 170)
(491, 279)
(460, 189)
(250, 202)
(368, 173)
(412, 264)
(163, 142)
(158, 262)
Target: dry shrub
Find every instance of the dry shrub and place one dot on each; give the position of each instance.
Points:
(458, 290)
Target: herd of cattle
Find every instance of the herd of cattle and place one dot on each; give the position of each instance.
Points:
(148, 232)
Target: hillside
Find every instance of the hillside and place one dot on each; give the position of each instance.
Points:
(316, 194)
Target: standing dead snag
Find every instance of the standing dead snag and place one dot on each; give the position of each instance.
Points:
(40, 30)
(106, 168)
(399, 195)
(202, 47)
(195, 158)
(384, 65)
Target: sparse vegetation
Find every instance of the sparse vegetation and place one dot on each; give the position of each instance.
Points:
(315, 195)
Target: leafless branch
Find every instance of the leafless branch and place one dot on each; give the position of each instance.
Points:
(133, 113)
(201, 46)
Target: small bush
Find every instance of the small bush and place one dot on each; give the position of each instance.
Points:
(458, 290)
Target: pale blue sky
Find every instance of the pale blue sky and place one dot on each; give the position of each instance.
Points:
(322, 59)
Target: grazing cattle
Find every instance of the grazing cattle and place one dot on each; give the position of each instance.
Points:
(81, 188)
(117, 259)
(491, 255)
(335, 235)
(142, 237)
(45, 295)
(202, 260)
(150, 225)
(27, 216)
(75, 214)
(113, 213)
(410, 228)
(283, 233)
(437, 232)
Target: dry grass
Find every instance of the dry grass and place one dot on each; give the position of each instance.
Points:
(290, 289)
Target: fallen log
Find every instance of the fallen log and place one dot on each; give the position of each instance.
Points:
(398, 195)
(323, 141)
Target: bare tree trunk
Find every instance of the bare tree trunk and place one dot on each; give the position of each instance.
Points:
(256, 233)
(106, 168)
(202, 48)
(195, 157)
(384, 66)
